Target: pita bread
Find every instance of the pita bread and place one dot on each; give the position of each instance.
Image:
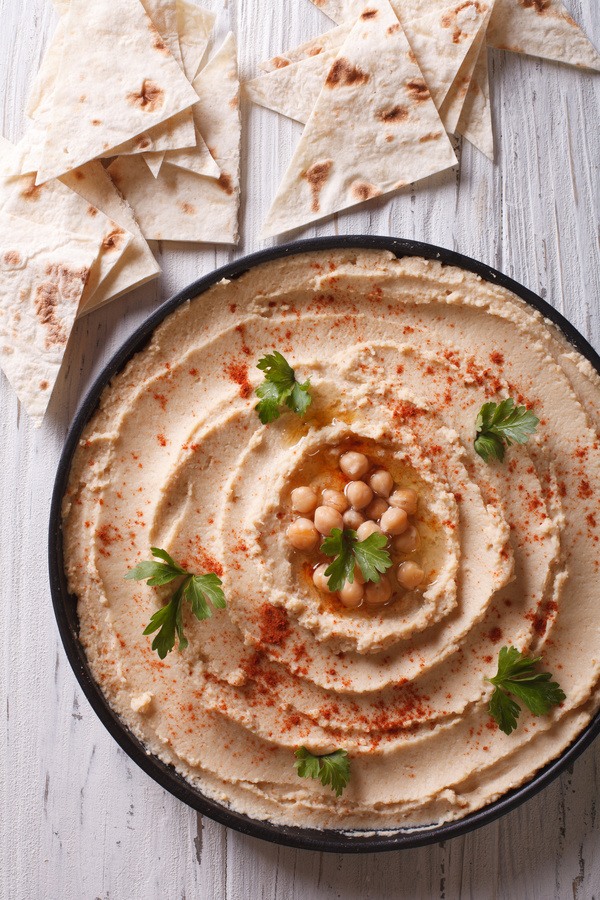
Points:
(475, 122)
(194, 25)
(55, 205)
(541, 28)
(181, 205)
(441, 41)
(137, 264)
(454, 101)
(175, 133)
(349, 10)
(43, 272)
(154, 161)
(294, 89)
(198, 159)
(330, 40)
(536, 27)
(164, 18)
(140, 87)
(395, 136)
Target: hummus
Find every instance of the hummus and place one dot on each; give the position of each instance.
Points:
(401, 355)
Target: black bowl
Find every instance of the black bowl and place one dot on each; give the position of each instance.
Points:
(65, 604)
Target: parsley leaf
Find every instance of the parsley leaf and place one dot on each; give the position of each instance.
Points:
(516, 676)
(348, 550)
(332, 769)
(197, 590)
(501, 424)
(371, 557)
(339, 545)
(280, 388)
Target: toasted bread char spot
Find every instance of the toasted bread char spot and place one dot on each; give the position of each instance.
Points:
(12, 258)
(113, 240)
(62, 282)
(417, 89)
(314, 51)
(188, 209)
(343, 73)
(396, 114)
(280, 63)
(224, 182)
(96, 122)
(362, 190)
(142, 142)
(432, 136)
(150, 97)
(44, 385)
(157, 41)
(540, 6)
(234, 103)
(450, 19)
(79, 175)
(92, 211)
(394, 28)
(30, 189)
(369, 14)
(316, 176)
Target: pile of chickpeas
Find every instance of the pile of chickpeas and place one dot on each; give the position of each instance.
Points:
(370, 502)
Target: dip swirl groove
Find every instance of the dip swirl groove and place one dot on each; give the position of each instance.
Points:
(401, 355)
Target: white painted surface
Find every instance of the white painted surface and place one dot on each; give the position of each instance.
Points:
(78, 820)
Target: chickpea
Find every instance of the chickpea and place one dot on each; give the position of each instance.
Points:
(359, 494)
(303, 535)
(408, 541)
(394, 521)
(410, 575)
(381, 482)
(351, 594)
(304, 500)
(377, 594)
(376, 509)
(319, 579)
(358, 575)
(354, 465)
(327, 518)
(336, 500)
(352, 519)
(406, 499)
(366, 529)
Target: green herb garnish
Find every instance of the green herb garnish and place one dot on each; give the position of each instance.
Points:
(332, 769)
(515, 676)
(500, 424)
(348, 550)
(197, 590)
(280, 388)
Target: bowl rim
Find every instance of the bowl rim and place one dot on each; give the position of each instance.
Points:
(65, 604)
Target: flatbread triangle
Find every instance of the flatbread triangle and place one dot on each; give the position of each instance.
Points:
(142, 85)
(535, 27)
(440, 41)
(395, 137)
(181, 205)
(43, 272)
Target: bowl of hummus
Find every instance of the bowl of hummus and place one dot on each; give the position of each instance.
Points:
(324, 544)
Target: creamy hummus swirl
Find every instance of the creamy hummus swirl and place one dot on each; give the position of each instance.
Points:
(401, 355)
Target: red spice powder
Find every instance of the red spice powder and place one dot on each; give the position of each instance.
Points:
(273, 624)
(238, 372)
(495, 635)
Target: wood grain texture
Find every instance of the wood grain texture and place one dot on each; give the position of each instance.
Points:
(78, 820)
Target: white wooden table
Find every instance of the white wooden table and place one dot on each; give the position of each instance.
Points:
(78, 820)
